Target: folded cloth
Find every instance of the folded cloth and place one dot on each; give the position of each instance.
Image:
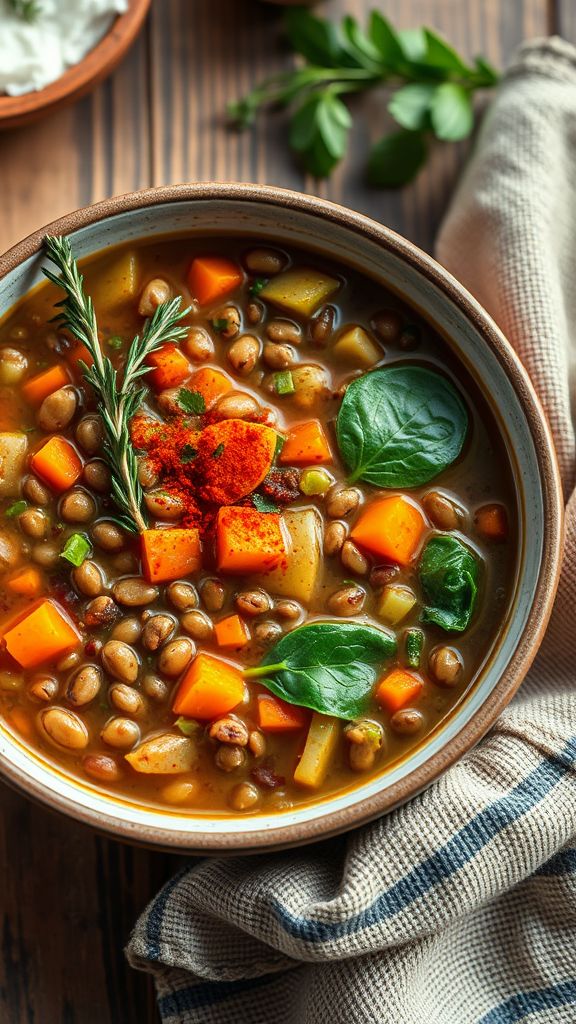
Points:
(460, 907)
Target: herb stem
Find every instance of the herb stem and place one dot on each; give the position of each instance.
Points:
(264, 670)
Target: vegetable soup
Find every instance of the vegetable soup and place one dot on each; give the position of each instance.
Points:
(258, 525)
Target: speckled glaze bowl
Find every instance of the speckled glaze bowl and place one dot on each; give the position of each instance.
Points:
(300, 220)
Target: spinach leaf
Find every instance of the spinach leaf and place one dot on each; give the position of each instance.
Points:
(448, 573)
(330, 667)
(400, 426)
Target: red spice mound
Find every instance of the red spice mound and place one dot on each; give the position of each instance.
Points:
(170, 449)
(234, 456)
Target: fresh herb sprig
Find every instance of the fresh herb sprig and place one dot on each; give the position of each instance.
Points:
(28, 10)
(433, 89)
(117, 401)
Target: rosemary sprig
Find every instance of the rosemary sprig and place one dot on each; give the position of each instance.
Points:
(28, 10)
(117, 401)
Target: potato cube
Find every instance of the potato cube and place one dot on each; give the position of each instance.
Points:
(13, 449)
(355, 346)
(320, 746)
(167, 754)
(395, 603)
(299, 290)
(116, 285)
(296, 577)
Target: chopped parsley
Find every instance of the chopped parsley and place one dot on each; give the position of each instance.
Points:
(76, 549)
(188, 454)
(218, 451)
(16, 509)
(257, 286)
(191, 401)
(263, 504)
(219, 324)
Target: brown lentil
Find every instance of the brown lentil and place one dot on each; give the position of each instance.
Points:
(134, 592)
(120, 661)
(175, 656)
(182, 596)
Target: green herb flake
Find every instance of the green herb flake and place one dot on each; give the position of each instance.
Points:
(414, 644)
(284, 383)
(191, 401)
(188, 454)
(218, 451)
(263, 504)
(76, 549)
(187, 726)
(16, 509)
(280, 442)
(257, 286)
(115, 342)
(219, 324)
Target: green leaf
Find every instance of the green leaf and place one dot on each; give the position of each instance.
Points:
(76, 549)
(16, 509)
(191, 401)
(386, 41)
(451, 112)
(319, 131)
(413, 44)
(439, 54)
(410, 105)
(188, 454)
(362, 49)
(396, 159)
(486, 76)
(448, 574)
(327, 666)
(263, 504)
(316, 39)
(400, 426)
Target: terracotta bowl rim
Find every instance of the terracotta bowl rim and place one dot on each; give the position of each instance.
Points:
(98, 63)
(368, 808)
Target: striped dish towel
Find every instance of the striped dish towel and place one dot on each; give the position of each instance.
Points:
(460, 907)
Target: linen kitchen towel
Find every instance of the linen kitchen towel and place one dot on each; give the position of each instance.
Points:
(460, 907)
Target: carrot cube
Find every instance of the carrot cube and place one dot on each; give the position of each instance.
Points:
(57, 463)
(42, 384)
(211, 384)
(169, 554)
(397, 689)
(210, 688)
(40, 634)
(391, 528)
(276, 715)
(249, 541)
(231, 632)
(26, 582)
(306, 444)
(169, 367)
(211, 277)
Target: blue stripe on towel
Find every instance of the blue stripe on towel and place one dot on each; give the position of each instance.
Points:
(460, 849)
(563, 863)
(156, 915)
(210, 993)
(519, 1006)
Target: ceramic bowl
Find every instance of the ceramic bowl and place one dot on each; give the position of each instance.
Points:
(82, 77)
(305, 221)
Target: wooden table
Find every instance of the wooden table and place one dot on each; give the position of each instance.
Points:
(69, 897)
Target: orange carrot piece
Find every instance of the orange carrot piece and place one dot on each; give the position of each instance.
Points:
(306, 444)
(210, 688)
(276, 715)
(211, 384)
(40, 634)
(26, 582)
(390, 528)
(491, 522)
(169, 554)
(58, 463)
(211, 277)
(76, 355)
(249, 541)
(42, 384)
(221, 448)
(397, 689)
(231, 632)
(169, 367)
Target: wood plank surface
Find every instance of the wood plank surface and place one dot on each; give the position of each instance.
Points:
(68, 896)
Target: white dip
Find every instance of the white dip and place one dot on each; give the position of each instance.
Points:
(33, 55)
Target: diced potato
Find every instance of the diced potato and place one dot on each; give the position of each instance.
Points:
(355, 346)
(13, 449)
(311, 383)
(117, 285)
(297, 577)
(167, 754)
(395, 603)
(320, 745)
(299, 290)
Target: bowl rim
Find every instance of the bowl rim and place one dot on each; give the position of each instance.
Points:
(77, 80)
(368, 808)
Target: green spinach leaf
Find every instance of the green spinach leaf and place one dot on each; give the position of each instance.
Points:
(448, 574)
(330, 667)
(400, 426)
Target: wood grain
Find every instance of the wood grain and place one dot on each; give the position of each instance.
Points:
(69, 897)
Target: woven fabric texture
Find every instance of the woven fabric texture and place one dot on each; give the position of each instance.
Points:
(460, 907)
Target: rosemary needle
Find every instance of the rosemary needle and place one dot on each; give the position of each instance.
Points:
(117, 401)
